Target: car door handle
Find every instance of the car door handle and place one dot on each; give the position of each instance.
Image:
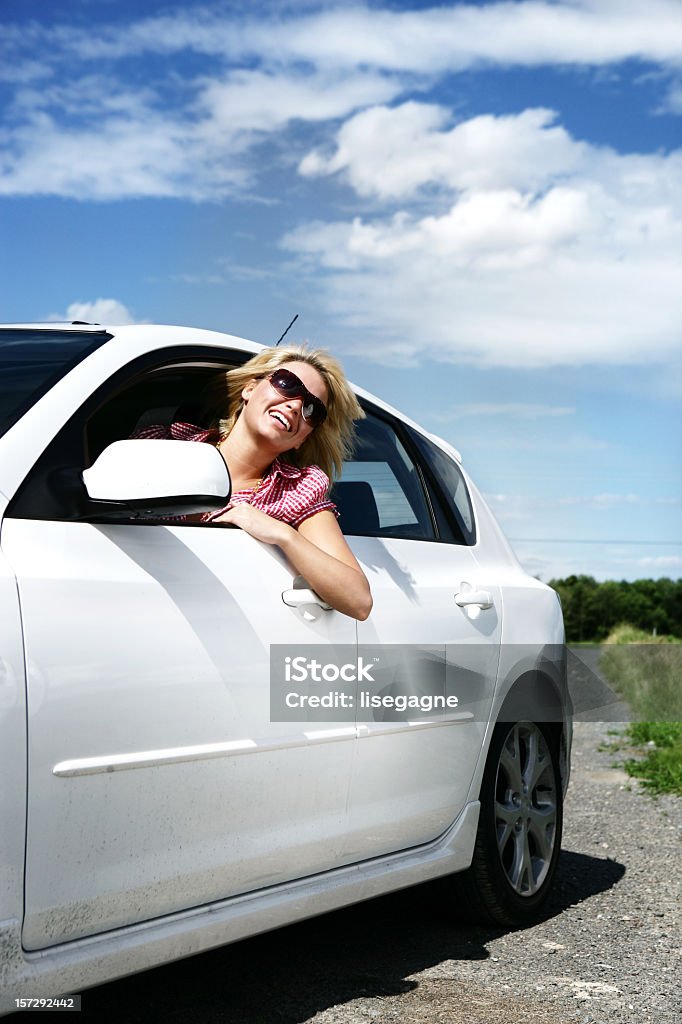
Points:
(480, 598)
(305, 599)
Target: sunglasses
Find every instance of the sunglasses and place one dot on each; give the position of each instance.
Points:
(313, 410)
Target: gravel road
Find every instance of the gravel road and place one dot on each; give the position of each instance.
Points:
(609, 952)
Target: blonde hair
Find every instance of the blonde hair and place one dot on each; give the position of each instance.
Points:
(330, 444)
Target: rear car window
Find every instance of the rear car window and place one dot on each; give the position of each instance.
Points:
(33, 360)
(380, 493)
(456, 516)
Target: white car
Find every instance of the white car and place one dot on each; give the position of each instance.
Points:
(155, 802)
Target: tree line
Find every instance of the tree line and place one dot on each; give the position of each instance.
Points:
(592, 609)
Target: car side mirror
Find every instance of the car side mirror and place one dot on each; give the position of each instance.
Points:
(159, 477)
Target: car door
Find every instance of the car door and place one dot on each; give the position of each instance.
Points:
(157, 781)
(413, 768)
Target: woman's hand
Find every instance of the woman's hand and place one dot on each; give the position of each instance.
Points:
(257, 524)
(319, 552)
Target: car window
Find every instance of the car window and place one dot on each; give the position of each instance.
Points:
(380, 492)
(169, 394)
(143, 393)
(451, 500)
(33, 360)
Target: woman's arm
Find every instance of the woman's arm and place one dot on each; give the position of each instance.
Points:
(317, 550)
(336, 576)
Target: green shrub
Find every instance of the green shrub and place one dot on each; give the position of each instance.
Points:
(646, 671)
(627, 634)
(661, 769)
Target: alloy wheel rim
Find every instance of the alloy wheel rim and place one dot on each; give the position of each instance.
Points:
(525, 808)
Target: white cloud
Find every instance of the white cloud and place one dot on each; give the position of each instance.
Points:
(118, 158)
(442, 38)
(555, 536)
(393, 152)
(540, 443)
(602, 502)
(88, 133)
(524, 507)
(548, 251)
(672, 102)
(109, 312)
(89, 140)
(493, 230)
(21, 72)
(258, 101)
(661, 562)
(603, 562)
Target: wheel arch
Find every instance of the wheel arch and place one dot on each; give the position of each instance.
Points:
(533, 687)
(540, 694)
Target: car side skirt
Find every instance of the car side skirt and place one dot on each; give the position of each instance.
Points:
(86, 962)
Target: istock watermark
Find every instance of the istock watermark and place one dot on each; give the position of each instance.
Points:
(301, 670)
(376, 683)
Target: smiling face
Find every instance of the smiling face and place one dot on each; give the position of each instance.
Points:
(277, 418)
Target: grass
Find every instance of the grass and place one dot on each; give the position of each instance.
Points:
(661, 769)
(647, 672)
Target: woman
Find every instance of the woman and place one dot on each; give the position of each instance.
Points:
(289, 427)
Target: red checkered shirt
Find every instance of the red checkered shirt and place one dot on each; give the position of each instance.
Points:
(285, 492)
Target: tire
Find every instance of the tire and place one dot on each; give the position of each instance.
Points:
(519, 830)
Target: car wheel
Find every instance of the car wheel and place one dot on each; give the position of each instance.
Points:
(519, 831)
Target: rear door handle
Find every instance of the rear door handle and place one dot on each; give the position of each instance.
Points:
(479, 598)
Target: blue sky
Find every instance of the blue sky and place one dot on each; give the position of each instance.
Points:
(477, 206)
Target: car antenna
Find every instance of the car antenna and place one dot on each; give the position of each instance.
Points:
(287, 330)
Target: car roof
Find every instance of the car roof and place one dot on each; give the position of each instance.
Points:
(207, 336)
(57, 325)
